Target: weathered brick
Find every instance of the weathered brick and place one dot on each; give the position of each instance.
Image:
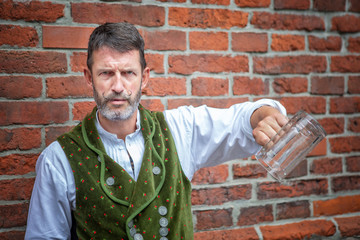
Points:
(290, 85)
(245, 233)
(64, 87)
(269, 190)
(255, 215)
(203, 86)
(336, 206)
(51, 133)
(329, 5)
(33, 112)
(211, 175)
(266, 20)
(287, 42)
(326, 166)
(353, 164)
(354, 6)
(18, 36)
(246, 85)
(11, 235)
(217, 41)
(332, 125)
(345, 64)
(155, 62)
(177, 1)
(217, 2)
(31, 11)
(349, 226)
(354, 44)
(327, 85)
(170, 40)
(16, 189)
(289, 64)
(300, 170)
(326, 44)
(207, 18)
(299, 230)
(252, 3)
(249, 42)
(346, 105)
(165, 87)
(296, 5)
(17, 164)
(66, 36)
(219, 196)
(354, 84)
(249, 171)
(10, 86)
(13, 215)
(315, 105)
(346, 183)
(298, 209)
(211, 102)
(344, 144)
(32, 62)
(20, 138)
(345, 24)
(211, 63)
(78, 61)
(81, 109)
(153, 104)
(213, 219)
(354, 124)
(320, 149)
(144, 15)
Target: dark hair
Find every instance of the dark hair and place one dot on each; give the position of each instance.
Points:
(122, 37)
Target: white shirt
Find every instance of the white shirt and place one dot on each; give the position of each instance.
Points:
(203, 137)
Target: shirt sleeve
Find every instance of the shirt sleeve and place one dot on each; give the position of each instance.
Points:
(53, 197)
(206, 136)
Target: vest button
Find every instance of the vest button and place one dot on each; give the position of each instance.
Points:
(156, 170)
(131, 224)
(163, 232)
(132, 231)
(110, 181)
(162, 210)
(163, 238)
(138, 236)
(163, 222)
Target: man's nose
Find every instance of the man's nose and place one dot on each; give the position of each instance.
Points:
(117, 84)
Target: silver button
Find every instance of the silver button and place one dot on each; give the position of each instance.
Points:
(132, 231)
(131, 224)
(156, 170)
(99, 159)
(162, 210)
(163, 238)
(163, 222)
(138, 236)
(163, 232)
(110, 181)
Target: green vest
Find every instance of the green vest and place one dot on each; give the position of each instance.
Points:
(110, 204)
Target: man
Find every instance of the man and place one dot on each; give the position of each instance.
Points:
(124, 172)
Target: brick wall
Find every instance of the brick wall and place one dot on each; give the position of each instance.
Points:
(304, 53)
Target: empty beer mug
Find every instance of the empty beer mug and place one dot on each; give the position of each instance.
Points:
(290, 145)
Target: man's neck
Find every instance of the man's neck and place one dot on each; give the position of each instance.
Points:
(121, 128)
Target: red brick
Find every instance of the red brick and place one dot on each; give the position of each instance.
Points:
(32, 62)
(203, 86)
(347, 183)
(345, 144)
(33, 112)
(78, 61)
(327, 85)
(249, 42)
(349, 226)
(31, 11)
(245, 233)
(299, 230)
(16, 189)
(211, 175)
(329, 5)
(66, 36)
(290, 85)
(213, 219)
(320, 149)
(354, 5)
(255, 215)
(20, 138)
(81, 109)
(18, 36)
(177, 1)
(11, 86)
(211, 102)
(249, 171)
(354, 44)
(266, 20)
(207, 18)
(217, 2)
(345, 24)
(13, 215)
(17, 164)
(252, 3)
(332, 125)
(289, 64)
(269, 190)
(165, 87)
(354, 84)
(217, 41)
(51, 133)
(11, 235)
(246, 85)
(327, 44)
(144, 15)
(155, 62)
(346, 105)
(165, 40)
(288, 42)
(212, 63)
(335, 206)
(298, 209)
(353, 164)
(299, 171)
(354, 124)
(345, 64)
(153, 104)
(64, 87)
(314, 105)
(326, 166)
(219, 196)
(296, 5)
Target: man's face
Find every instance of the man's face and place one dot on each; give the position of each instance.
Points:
(117, 80)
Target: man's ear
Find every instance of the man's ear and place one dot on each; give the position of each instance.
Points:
(145, 77)
(88, 77)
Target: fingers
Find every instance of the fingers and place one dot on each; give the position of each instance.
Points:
(268, 127)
